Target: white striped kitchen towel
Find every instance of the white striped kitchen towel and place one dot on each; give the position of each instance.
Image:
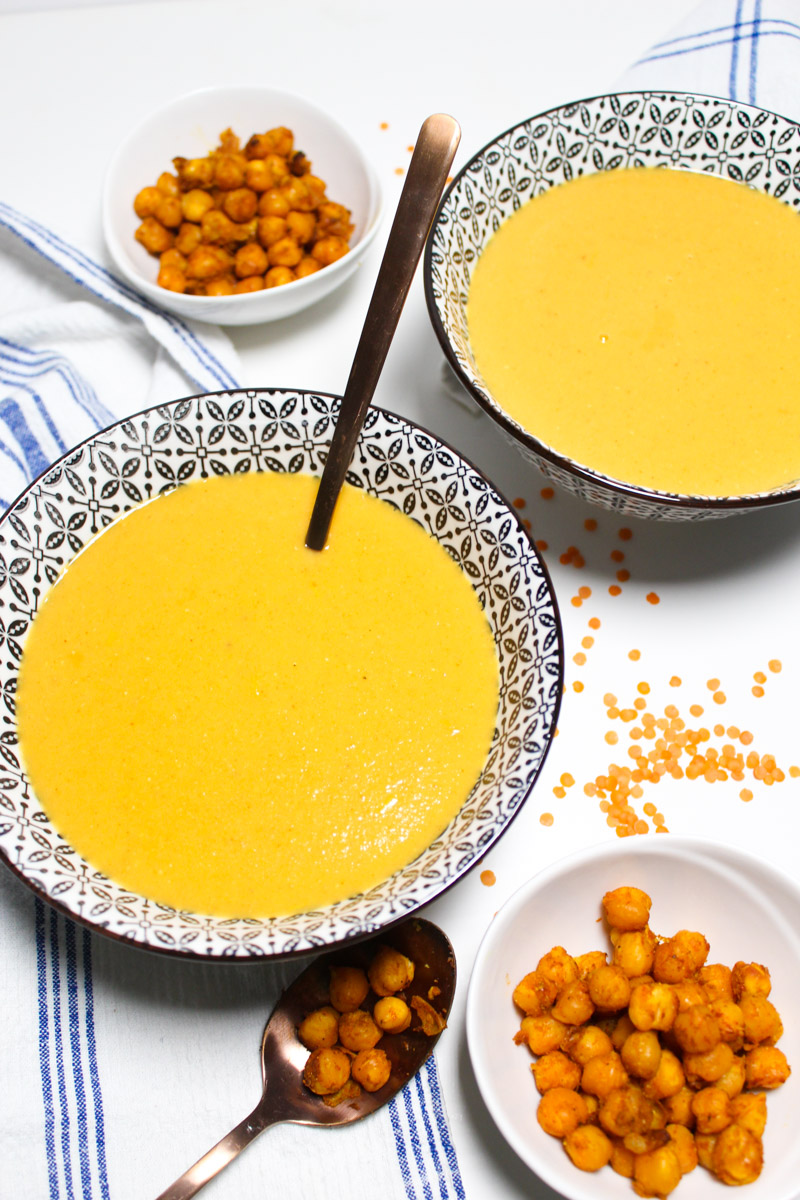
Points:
(113, 1048)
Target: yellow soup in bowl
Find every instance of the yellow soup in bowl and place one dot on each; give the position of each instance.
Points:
(646, 324)
(227, 722)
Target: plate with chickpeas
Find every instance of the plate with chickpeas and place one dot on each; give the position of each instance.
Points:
(633, 1022)
(217, 203)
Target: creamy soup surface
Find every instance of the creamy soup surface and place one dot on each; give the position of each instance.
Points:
(224, 721)
(646, 323)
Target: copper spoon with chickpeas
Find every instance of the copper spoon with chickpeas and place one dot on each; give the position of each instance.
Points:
(285, 1097)
(433, 156)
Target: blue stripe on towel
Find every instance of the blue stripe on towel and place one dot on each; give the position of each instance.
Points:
(735, 50)
(44, 1049)
(76, 1057)
(754, 53)
(94, 1075)
(106, 286)
(442, 1126)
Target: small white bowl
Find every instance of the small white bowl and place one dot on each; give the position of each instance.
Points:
(746, 909)
(190, 126)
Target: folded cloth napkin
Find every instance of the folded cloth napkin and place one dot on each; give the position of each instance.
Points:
(124, 1062)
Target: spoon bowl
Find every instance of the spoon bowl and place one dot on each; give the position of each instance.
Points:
(284, 1096)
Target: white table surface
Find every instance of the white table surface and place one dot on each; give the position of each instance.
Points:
(75, 80)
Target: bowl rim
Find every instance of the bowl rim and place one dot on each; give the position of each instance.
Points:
(630, 491)
(351, 938)
(244, 299)
(682, 846)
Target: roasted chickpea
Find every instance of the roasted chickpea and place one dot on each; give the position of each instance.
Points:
(561, 1110)
(627, 908)
(683, 1141)
(207, 261)
(584, 1042)
(678, 1107)
(372, 1069)
(348, 988)
(573, 1004)
(730, 1019)
(301, 226)
(715, 979)
(168, 184)
(251, 283)
(766, 1067)
(609, 988)
(534, 994)
(634, 951)
(750, 1111)
(588, 1147)
(194, 203)
(626, 1110)
(653, 1006)
(708, 1067)
(273, 203)
(696, 1030)
(541, 1034)
(622, 1159)
(333, 218)
(588, 963)
(285, 253)
(603, 1074)
(641, 1053)
(762, 1022)
(750, 978)
(391, 1014)
(257, 176)
(320, 1028)
(307, 266)
(390, 971)
(712, 1110)
(329, 249)
(147, 201)
(327, 1070)
(737, 1157)
(668, 1079)
(169, 212)
(704, 1144)
(240, 204)
(221, 285)
(277, 276)
(188, 238)
(679, 957)
(657, 1172)
(228, 172)
(194, 172)
(688, 993)
(153, 236)
(554, 1069)
(250, 260)
(734, 1079)
(172, 278)
(621, 1030)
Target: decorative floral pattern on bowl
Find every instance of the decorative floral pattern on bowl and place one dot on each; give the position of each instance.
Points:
(279, 430)
(633, 129)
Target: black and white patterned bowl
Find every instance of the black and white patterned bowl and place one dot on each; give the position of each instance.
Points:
(278, 430)
(683, 131)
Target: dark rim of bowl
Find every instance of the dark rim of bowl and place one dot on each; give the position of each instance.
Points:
(314, 951)
(522, 436)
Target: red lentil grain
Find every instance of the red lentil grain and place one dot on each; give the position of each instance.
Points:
(546, 819)
(653, 598)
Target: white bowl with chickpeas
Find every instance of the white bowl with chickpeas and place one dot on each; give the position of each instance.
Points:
(237, 205)
(616, 1044)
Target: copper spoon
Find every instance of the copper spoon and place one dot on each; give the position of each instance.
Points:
(283, 1056)
(427, 174)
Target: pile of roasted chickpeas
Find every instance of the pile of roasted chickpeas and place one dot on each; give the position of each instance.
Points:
(656, 1061)
(240, 220)
(343, 1036)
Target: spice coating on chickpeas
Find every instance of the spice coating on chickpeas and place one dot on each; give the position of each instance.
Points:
(343, 1035)
(241, 220)
(657, 1061)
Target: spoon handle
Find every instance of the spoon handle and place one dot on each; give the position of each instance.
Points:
(427, 174)
(197, 1176)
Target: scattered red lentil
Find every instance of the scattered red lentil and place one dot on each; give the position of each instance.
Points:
(542, 546)
(634, 655)
(623, 576)
(760, 677)
(675, 681)
(584, 592)
(757, 691)
(794, 772)
(526, 524)
(775, 665)
(594, 623)
(643, 688)
(587, 642)
(626, 534)
(488, 878)
(696, 710)
(612, 738)
(590, 524)
(410, 149)
(617, 556)
(567, 780)
(546, 819)
(653, 598)
(746, 794)
(719, 697)
(579, 659)
(559, 792)
(519, 502)
(615, 590)
(399, 171)
(712, 684)
(547, 493)
(577, 686)
(384, 125)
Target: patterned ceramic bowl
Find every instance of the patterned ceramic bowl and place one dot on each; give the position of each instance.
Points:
(126, 465)
(634, 129)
